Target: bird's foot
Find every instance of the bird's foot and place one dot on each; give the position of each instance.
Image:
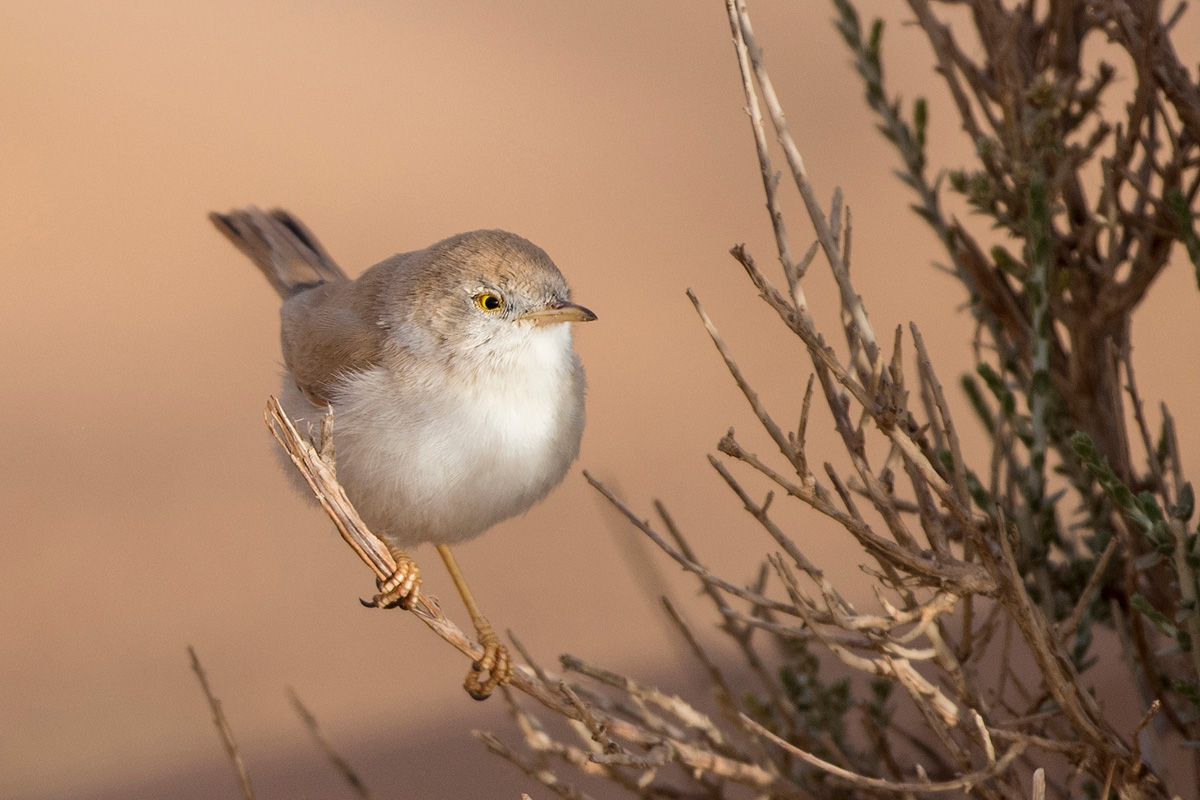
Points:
(495, 662)
(402, 587)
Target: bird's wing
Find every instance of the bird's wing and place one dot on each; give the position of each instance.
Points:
(327, 336)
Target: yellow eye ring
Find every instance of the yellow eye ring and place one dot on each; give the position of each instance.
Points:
(488, 301)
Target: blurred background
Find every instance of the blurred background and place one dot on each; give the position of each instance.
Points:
(144, 510)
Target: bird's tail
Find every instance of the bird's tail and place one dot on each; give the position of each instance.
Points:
(281, 246)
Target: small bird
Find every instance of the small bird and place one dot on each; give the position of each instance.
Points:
(457, 394)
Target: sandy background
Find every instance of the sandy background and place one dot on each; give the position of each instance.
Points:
(144, 511)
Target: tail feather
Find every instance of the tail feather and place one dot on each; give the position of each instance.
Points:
(281, 246)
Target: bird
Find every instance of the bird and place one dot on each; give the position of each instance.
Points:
(457, 392)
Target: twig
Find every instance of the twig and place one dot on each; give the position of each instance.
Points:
(929, 379)
(226, 732)
(597, 730)
(770, 177)
(759, 512)
(740, 634)
(725, 694)
(736, 10)
(968, 781)
(335, 758)
(691, 566)
(1059, 676)
(760, 411)
(1068, 625)
(1135, 756)
(539, 774)
(689, 716)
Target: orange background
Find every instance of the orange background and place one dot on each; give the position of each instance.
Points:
(143, 508)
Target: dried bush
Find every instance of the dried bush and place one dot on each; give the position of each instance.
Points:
(993, 569)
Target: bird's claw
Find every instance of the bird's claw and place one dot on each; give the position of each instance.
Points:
(401, 588)
(495, 662)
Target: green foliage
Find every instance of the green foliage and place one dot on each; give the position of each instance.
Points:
(1024, 168)
(908, 139)
(1160, 620)
(1144, 510)
(971, 389)
(1191, 693)
(1185, 504)
(979, 495)
(1138, 509)
(999, 389)
(1185, 226)
(1036, 124)
(1008, 264)
(822, 706)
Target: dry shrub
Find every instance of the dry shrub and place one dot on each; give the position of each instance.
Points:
(991, 569)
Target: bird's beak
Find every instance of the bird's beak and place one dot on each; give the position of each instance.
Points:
(558, 312)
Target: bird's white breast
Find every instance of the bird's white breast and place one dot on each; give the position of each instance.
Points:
(445, 452)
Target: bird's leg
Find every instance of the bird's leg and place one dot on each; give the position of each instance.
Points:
(495, 660)
(401, 588)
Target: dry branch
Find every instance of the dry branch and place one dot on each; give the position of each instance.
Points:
(223, 729)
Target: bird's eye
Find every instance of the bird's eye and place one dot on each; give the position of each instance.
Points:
(488, 301)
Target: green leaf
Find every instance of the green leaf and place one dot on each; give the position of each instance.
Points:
(1160, 620)
(1185, 227)
(920, 119)
(1008, 402)
(1149, 505)
(1186, 503)
(979, 494)
(876, 37)
(1189, 691)
(1006, 262)
(1098, 466)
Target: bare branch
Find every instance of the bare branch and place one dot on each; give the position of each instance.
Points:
(968, 781)
(222, 724)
